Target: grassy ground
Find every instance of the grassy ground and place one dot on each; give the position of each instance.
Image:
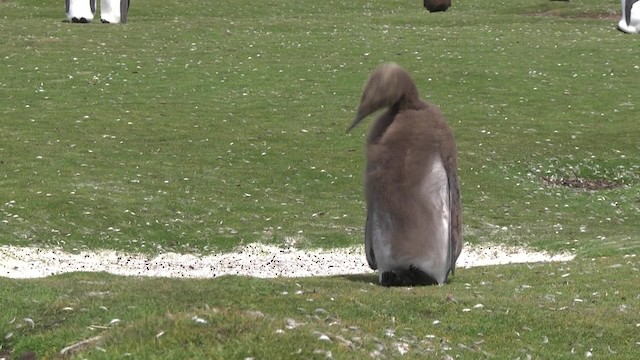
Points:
(197, 128)
(558, 311)
(200, 126)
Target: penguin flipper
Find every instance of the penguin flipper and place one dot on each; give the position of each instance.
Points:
(455, 208)
(368, 241)
(627, 11)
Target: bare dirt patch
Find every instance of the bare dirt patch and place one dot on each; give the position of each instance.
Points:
(583, 15)
(581, 183)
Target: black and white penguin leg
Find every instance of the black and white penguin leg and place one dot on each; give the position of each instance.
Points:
(114, 11)
(80, 11)
(630, 22)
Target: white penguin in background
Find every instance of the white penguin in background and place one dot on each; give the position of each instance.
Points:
(114, 11)
(630, 22)
(413, 231)
(80, 11)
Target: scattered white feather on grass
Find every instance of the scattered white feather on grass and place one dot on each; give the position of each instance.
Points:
(258, 260)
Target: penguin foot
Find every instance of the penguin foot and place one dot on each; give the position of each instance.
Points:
(81, 20)
(623, 27)
(420, 277)
(104, 21)
(390, 278)
(410, 277)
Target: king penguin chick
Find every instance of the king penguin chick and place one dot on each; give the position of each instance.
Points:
(413, 231)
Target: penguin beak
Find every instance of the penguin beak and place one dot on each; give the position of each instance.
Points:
(361, 115)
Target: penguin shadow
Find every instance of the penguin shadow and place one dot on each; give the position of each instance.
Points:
(84, 21)
(373, 279)
(77, 21)
(360, 278)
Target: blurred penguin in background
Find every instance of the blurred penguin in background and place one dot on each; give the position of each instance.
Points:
(80, 11)
(436, 5)
(630, 22)
(114, 11)
(83, 11)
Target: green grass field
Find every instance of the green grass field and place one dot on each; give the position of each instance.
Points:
(200, 126)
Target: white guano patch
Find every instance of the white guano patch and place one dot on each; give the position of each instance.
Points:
(258, 260)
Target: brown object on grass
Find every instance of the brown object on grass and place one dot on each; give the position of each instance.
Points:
(436, 5)
(413, 231)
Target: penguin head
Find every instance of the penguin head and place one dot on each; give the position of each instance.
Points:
(388, 85)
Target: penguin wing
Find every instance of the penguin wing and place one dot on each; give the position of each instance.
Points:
(368, 240)
(627, 10)
(124, 10)
(455, 207)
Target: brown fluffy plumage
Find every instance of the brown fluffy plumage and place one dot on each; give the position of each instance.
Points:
(413, 232)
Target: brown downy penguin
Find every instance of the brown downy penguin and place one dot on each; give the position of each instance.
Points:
(413, 231)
